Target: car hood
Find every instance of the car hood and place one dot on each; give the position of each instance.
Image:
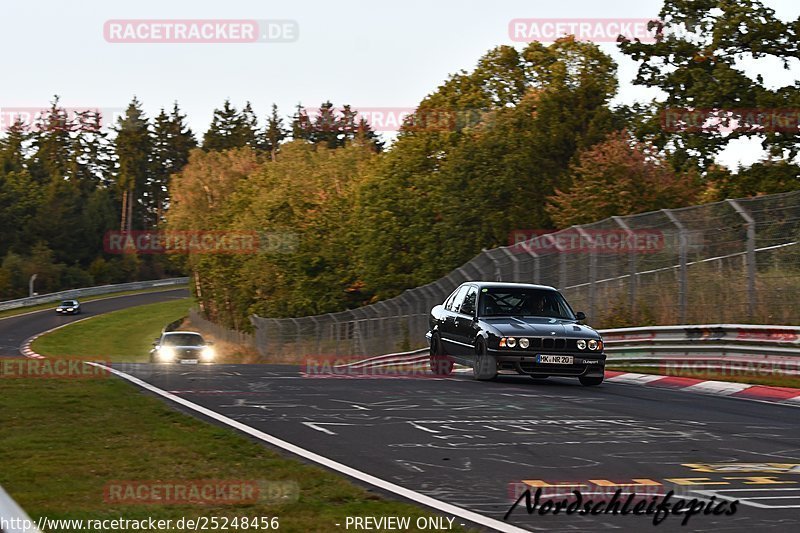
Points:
(180, 347)
(538, 327)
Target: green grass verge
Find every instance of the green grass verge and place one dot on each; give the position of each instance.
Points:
(776, 380)
(52, 305)
(64, 441)
(124, 335)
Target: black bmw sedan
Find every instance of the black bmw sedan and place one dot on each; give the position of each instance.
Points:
(513, 327)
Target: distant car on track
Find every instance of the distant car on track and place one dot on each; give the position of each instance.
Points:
(182, 347)
(69, 307)
(522, 328)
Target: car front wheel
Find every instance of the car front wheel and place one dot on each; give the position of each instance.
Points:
(484, 367)
(590, 382)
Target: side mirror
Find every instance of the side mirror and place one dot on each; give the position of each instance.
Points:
(209, 343)
(580, 315)
(156, 341)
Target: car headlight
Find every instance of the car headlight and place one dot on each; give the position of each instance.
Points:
(165, 353)
(524, 343)
(207, 354)
(511, 342)
(592, 344)
(581, 344)
(70, 308)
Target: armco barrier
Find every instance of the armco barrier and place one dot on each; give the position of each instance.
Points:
(719, 340)
(91, 291)
(709, 346)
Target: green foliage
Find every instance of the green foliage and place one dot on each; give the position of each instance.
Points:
(619, 176)
(444, 193)
(697, 61)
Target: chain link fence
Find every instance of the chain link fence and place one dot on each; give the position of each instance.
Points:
(736, 261)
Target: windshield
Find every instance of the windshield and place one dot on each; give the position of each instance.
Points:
(183, 339)
(68, 303)
(513, 301)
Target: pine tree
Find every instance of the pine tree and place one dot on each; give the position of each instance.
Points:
(53, 145)
(134, 147)
(327, 128)
(172, 142)
(302, 129)
(274, 133)
(13, 148)
(94, 152)
(232, 129)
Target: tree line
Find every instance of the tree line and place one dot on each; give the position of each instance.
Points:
(531, 142)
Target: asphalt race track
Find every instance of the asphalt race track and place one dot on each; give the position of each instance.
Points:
(470, 443)
(15, 330)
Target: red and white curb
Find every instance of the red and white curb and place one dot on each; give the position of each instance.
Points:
(28, 352)
(745, 391)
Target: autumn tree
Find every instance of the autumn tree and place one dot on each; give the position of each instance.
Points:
(619, 176)
(700, 60)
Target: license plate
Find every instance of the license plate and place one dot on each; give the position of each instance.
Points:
(554, 359)
(188, 361)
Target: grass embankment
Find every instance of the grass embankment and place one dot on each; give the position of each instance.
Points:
(65, 440)
(124, 335)
(53, 305)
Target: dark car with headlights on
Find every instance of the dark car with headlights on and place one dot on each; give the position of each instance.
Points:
(182, 347)
(69, 307)
(513, 328)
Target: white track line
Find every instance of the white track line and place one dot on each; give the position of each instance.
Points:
(418, 497)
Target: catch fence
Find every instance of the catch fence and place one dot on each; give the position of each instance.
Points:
(735, 261)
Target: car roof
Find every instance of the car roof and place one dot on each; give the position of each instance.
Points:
(182, 333)
(501, 284)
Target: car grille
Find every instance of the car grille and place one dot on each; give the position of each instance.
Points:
(551, 343)
(187, 353)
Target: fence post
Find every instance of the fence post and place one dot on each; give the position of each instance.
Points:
(750, 256)
(515, 262)
(592, 268)
(562, 261)
(632, 265)
(683, 278)
(335, 332)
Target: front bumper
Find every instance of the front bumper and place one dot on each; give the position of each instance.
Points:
(583, 364)
(65, 312)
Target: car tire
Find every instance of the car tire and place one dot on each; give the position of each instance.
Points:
(484, 366)
(441, 363)
(590, 381)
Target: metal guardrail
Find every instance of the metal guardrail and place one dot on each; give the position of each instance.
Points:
(719, 340)
(707, 346)
(12, 518)
(90, 291)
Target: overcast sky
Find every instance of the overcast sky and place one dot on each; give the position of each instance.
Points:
(365, 53)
